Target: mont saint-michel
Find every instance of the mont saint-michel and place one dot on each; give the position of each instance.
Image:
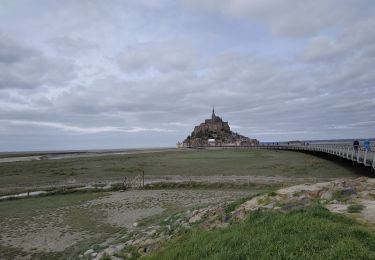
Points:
(215, 132)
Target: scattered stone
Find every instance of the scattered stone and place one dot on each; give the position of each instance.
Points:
(118, 248)
(99, 256)
(142, 250)
(88, 252)
(129, 242)
(337, 208)
(269, 206)
(149, 241)
(110, 250)
(185, 225)
(327, 195)
(151, 232)
(135, 224)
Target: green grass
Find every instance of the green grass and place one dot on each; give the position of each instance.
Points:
(355, 208)
(312, 233)
(201, 162)
(31, 206)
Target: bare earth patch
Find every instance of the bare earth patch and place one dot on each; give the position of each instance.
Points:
(50, 231)
(47, 239)
(125, 208)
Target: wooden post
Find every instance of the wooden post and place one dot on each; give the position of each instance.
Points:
(143, 178)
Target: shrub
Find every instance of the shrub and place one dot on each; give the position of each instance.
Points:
(272, 194)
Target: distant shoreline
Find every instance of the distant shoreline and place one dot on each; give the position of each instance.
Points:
(66, 154)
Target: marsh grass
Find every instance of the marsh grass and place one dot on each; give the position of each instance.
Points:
(188, 163)
(355, 208)
(312, 233)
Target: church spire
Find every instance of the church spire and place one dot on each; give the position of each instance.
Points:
(213, 112)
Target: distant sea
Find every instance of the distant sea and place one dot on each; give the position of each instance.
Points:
(89, 151)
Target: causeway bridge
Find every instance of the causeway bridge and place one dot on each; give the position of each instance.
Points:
(344, 151)
(363, 156)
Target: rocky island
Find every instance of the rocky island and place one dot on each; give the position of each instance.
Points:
(215, 132)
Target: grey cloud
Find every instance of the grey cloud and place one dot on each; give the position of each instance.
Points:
(292, 17)
(160, 56)
(71, 45)
(11, 51)
(81, 130)
(241, 88)
(356, 39)
(25, 68)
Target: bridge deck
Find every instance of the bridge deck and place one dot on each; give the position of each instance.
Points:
(360, 156)
(345, 151)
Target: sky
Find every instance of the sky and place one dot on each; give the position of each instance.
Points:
(95, 74)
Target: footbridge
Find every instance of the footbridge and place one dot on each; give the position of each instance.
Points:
(359, 156)
(345, 151)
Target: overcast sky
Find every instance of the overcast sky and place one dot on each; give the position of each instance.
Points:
(140, 73)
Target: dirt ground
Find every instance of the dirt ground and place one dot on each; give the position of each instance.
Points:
(59, 228)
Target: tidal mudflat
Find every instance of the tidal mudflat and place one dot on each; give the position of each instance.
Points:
(63, 225)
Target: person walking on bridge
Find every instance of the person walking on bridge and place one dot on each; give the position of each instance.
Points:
(366, 144)
(356, 145)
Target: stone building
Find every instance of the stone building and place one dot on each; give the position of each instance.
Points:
(215, 132)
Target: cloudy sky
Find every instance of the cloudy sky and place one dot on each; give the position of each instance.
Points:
(139, 73)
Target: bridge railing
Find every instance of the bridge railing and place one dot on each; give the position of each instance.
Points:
(359, 155)
(343, 150)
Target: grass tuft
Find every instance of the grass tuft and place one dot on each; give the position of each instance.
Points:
(355, 208)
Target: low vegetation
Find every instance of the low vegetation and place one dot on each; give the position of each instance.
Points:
(355, 208)
(311, 233)
(16, 175)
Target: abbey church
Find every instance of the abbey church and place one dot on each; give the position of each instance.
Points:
(215, 132)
